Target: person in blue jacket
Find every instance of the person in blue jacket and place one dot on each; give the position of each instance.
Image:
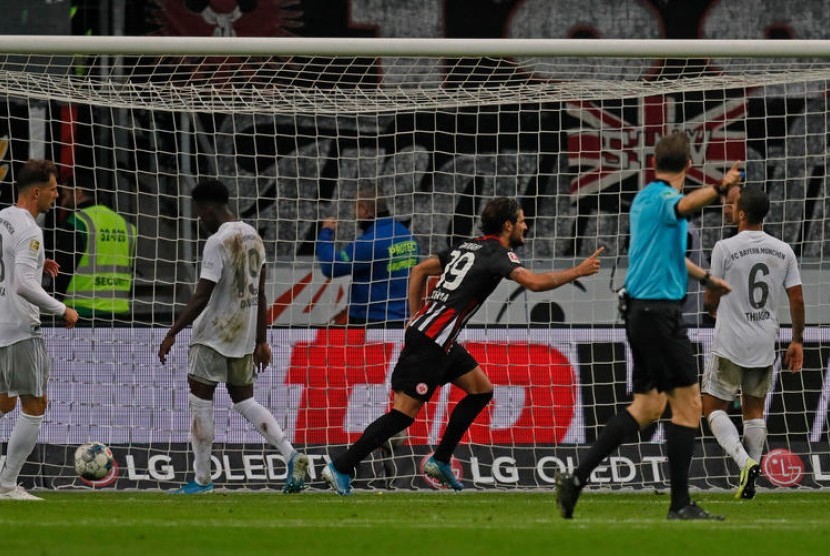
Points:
(379, 261)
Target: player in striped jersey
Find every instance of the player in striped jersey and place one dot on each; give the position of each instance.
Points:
(763, 270)
(431, 357)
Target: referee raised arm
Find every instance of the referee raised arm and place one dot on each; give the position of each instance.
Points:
(664, 367)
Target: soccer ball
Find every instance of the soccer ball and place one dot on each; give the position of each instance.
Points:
(93, 461)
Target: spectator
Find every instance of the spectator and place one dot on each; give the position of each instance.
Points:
(378, 261)
(95, 248)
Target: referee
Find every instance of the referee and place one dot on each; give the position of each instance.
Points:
(664, 366)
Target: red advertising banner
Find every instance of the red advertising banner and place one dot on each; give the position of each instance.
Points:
(540, 382)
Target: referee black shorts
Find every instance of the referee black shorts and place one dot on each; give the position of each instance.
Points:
(423, 365)
(663, 357)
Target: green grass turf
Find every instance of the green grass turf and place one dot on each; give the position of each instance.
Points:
(428, 524)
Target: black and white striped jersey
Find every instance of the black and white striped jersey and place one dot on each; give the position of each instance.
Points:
(472, 270)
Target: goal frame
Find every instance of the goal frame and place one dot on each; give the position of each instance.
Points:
(120, 46)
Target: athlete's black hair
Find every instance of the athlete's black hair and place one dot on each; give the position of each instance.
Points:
(497, 212)
(210, 192)
(755, 204)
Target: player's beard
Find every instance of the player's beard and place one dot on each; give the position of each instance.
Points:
(517, 241)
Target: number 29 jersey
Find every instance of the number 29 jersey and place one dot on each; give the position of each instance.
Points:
(758, 268)
(472, 270)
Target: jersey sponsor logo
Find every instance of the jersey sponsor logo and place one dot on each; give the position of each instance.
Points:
(513, 257)
(34, 245)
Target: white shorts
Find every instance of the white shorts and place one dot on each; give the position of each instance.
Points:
(208, 366)
(723, 379)
(24, 368)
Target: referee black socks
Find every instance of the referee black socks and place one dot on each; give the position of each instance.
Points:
(680, 445)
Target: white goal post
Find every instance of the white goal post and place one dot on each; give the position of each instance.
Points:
(297, 126)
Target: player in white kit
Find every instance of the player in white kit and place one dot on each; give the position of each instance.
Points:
(761, 270)
(24, 366)
(228, 343)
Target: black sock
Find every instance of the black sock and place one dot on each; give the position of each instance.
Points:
(616, 430)
(378, 432)
(462, 417)
(680, 444)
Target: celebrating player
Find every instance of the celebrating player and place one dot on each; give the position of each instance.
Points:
(24, 366)
(229, 341)
(664, 366)
(431, 357)
(761, 269)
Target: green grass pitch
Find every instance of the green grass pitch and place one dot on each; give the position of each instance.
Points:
(430, 524)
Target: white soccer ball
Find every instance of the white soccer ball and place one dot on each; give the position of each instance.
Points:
(93, 460)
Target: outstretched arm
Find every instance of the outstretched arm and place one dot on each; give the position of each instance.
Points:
(193, 309)
(703, 196)
(550, 280)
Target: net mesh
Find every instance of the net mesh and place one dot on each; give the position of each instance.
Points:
(297, 137)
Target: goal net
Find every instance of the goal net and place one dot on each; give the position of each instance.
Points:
(298, 128)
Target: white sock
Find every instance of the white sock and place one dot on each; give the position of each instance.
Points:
(265, 424)
(727, 435)
(755, 435)
(201, 437)
(21, 443)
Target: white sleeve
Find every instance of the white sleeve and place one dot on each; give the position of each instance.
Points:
(212, 261)
(717, 269)
(793, 277)
(29, 288)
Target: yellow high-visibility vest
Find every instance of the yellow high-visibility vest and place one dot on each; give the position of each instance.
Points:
(103, 279)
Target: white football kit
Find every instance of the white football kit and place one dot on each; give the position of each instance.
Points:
(21, 270)
(233, 259)
(759, 268)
